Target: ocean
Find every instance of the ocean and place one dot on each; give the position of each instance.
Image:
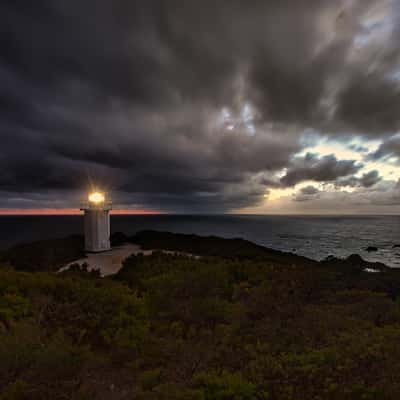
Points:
(315, 237)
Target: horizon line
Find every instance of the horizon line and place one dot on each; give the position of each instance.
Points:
(72, 211)
(122, 211)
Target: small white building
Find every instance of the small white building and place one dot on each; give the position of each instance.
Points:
(97, 223)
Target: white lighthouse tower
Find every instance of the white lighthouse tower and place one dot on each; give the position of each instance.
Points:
(97, 223)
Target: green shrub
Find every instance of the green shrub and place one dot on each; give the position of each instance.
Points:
(225, 386)
(150, 379)
(175, 327)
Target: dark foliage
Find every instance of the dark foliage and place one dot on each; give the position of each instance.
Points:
(172, 326)
(44, 255)
(213, 246)
(118, 238)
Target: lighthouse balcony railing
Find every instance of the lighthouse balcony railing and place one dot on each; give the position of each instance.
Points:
(104, 205)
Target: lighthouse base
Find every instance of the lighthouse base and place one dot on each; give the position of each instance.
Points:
(97, 230)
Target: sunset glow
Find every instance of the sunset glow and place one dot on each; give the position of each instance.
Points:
(72, 211)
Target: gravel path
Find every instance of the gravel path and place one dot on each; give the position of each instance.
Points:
(109, 262)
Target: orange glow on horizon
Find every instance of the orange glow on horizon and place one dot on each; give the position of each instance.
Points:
(136, 212)
(72, 211)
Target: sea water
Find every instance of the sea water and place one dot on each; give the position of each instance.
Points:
(312, 236)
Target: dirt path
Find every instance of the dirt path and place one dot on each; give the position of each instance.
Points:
(109, 262)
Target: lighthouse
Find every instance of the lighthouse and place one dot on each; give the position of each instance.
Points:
(97, 223)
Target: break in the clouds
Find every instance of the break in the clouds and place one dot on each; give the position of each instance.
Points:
(192, 106)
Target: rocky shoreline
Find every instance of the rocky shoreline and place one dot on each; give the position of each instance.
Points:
(54, 254)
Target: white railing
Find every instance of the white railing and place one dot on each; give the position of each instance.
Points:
(104, 205)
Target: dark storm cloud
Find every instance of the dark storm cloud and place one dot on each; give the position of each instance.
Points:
(319, 169)
(367, 180)
(370, 104)
(130, 94)
(307, 193)
(389, 148)
(309, 190)
(370, 179)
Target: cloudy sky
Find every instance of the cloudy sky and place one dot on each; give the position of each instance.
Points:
(256, 106)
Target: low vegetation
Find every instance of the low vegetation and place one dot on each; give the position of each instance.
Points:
(212, 246)
(44, 255)
(211, 328)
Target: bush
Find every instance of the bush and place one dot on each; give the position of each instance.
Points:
(225, 386)
(176, 327)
